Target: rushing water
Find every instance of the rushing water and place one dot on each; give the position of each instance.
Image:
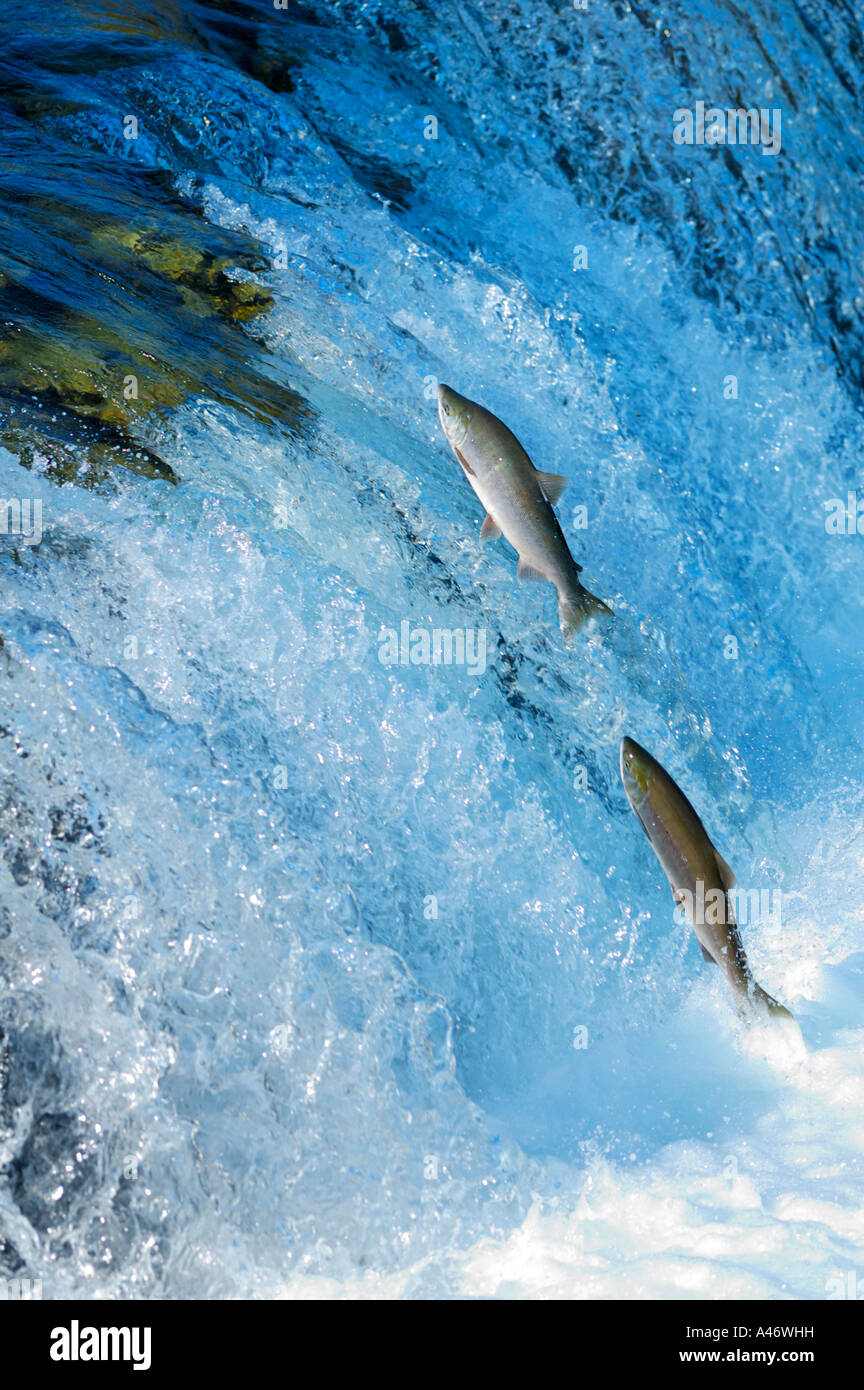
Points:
(320, 974)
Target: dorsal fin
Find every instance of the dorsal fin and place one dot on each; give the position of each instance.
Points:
(553, 484)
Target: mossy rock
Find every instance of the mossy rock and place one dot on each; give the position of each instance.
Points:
(71, 448)
(118, 302)
(81, 366)
(69, 361)
(195, 269)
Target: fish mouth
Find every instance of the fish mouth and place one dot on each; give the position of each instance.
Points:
(454, 414)
(444, 396)
(448, 401)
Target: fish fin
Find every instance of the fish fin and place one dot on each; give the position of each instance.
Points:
(763, 1000)
(464, 462)
(526, 571)
(576, 610)
(706, 954)
(726, 875)
(490, 530)
(553, 484)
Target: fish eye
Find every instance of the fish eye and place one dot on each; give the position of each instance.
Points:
(446, 408)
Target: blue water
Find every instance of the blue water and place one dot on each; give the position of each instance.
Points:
(295, 945)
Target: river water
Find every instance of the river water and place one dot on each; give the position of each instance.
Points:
(322, 974)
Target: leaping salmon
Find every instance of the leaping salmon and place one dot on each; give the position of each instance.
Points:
(700, 878)
(518, 500)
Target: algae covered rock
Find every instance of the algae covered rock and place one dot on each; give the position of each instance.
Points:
(81, 388)
(118, 302)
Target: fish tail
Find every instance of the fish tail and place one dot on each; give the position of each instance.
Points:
(578, 607)
(765, 1004)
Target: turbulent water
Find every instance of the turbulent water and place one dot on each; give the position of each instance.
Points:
(323, 975)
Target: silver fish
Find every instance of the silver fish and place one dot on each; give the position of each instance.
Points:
(700, 878)
(518, 500)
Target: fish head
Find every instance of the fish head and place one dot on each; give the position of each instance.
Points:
(454, 412)
(635, 772)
